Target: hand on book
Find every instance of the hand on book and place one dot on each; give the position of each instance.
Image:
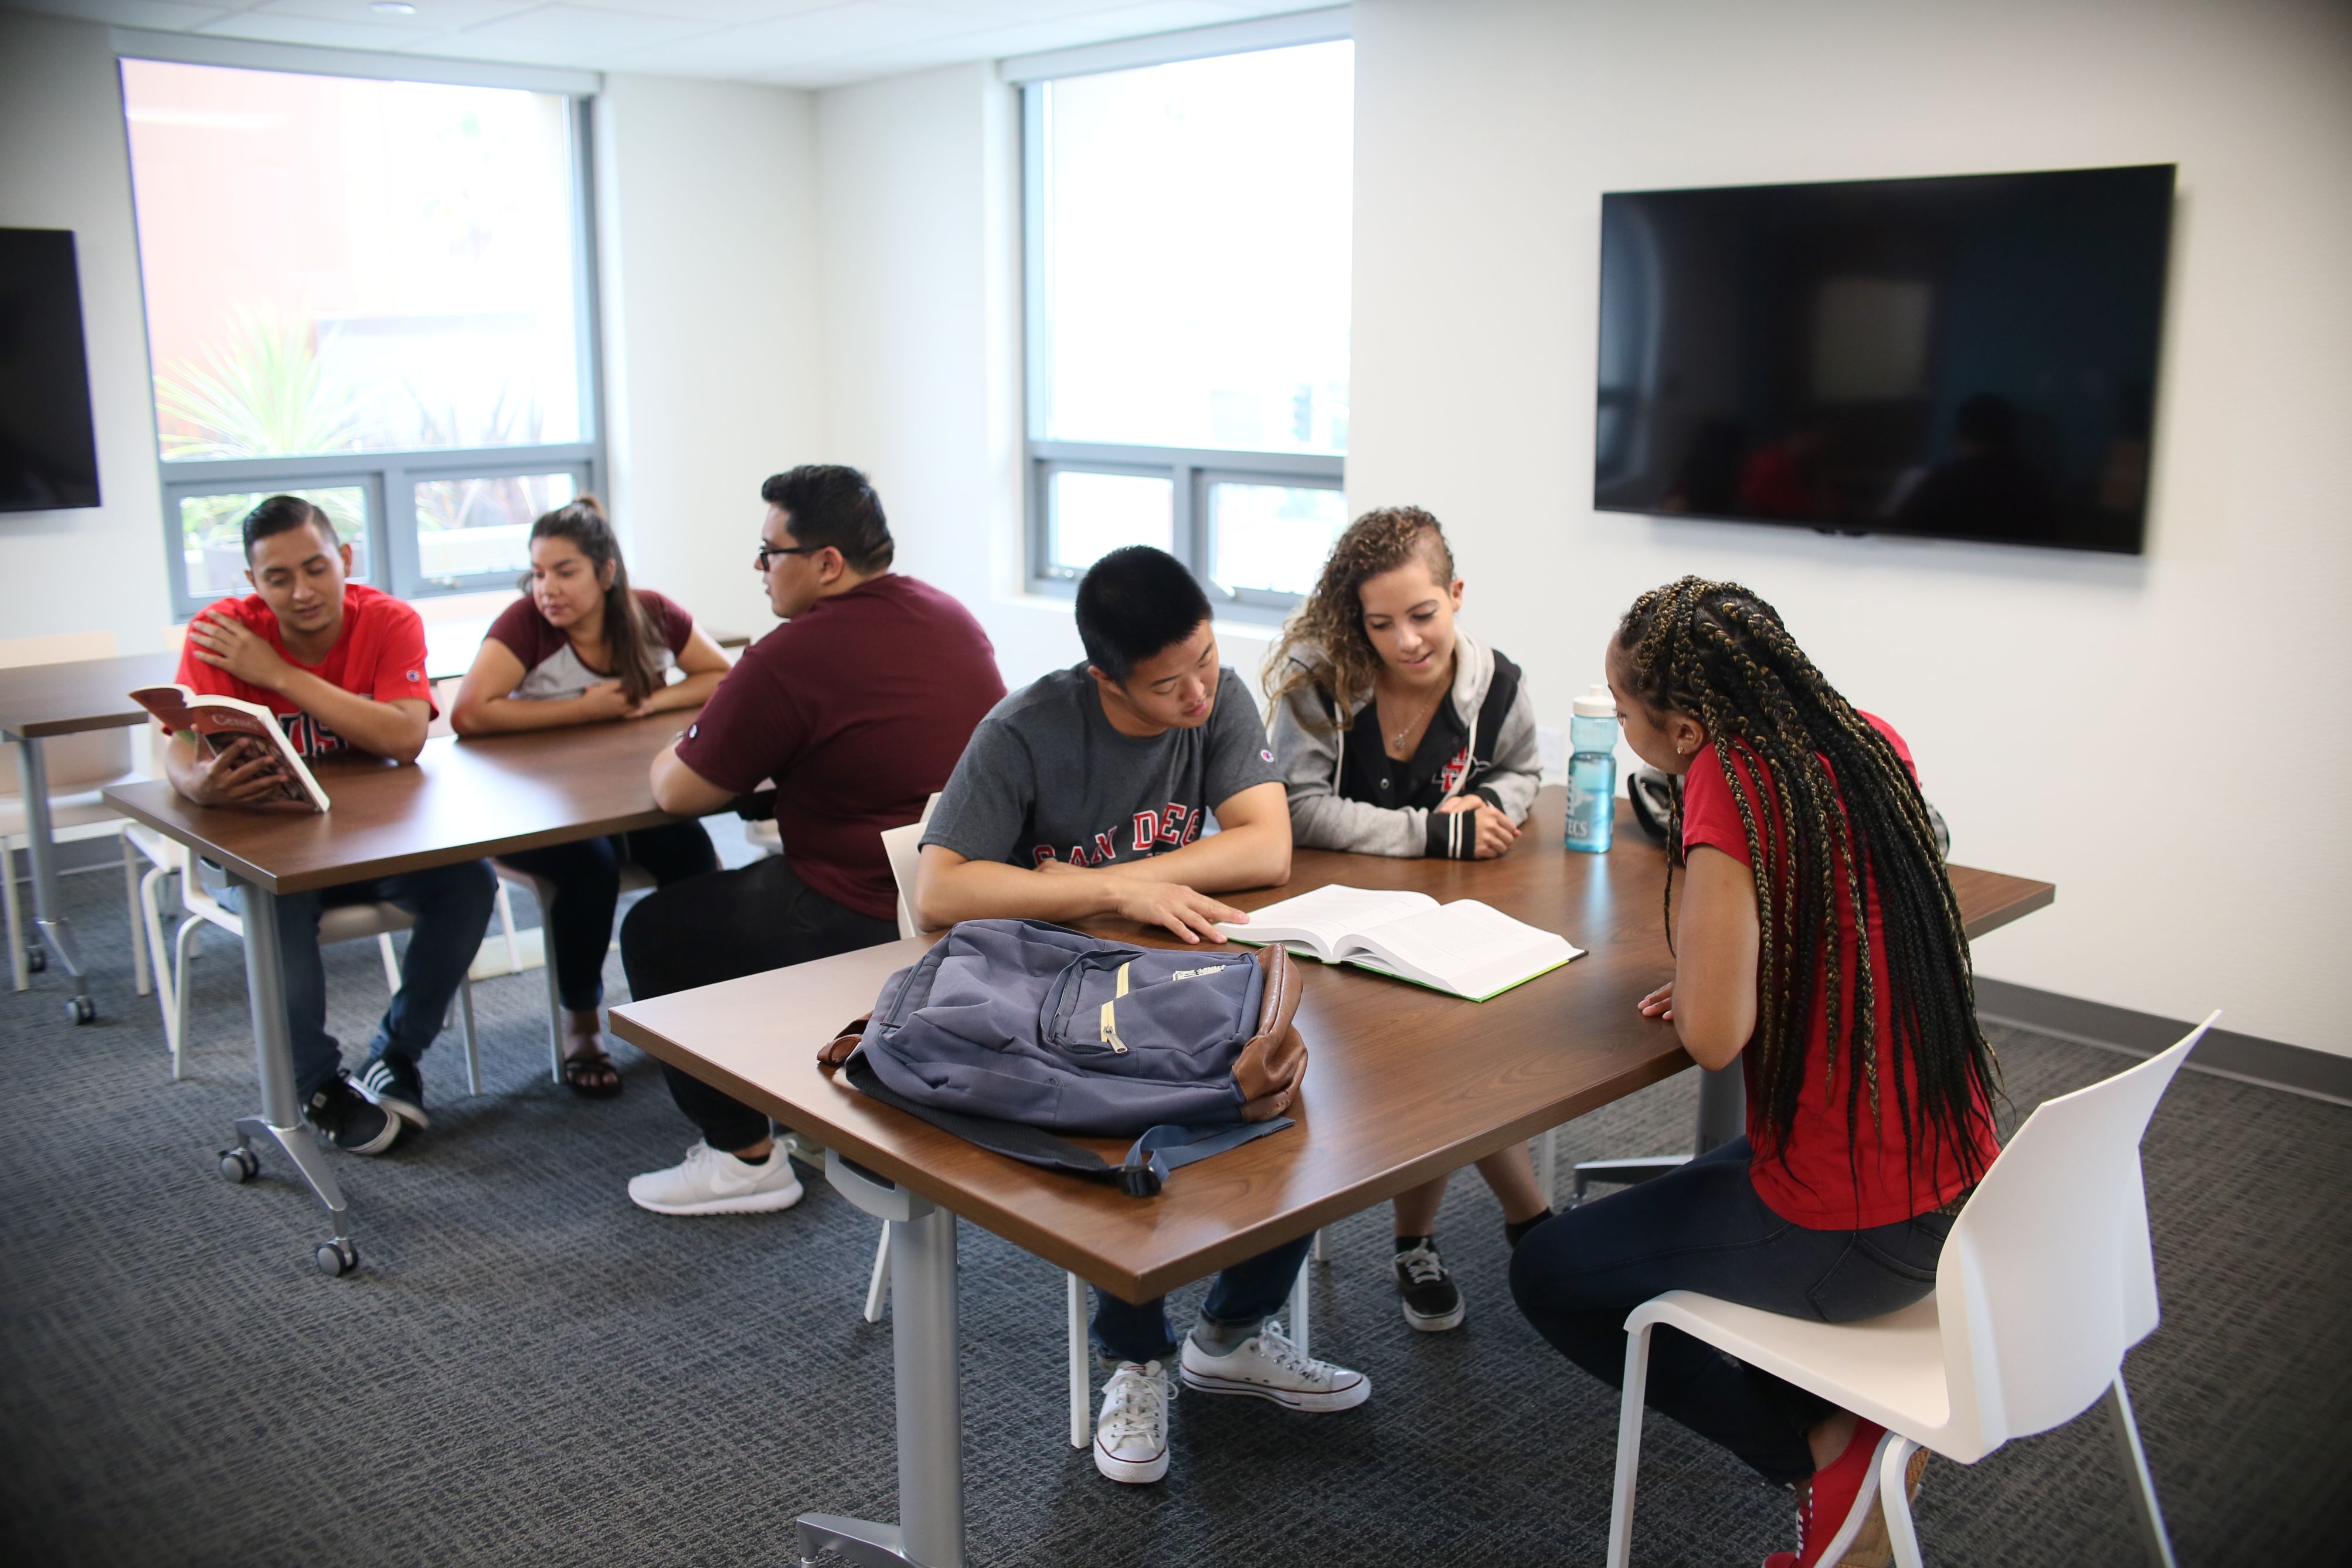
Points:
(244, 773)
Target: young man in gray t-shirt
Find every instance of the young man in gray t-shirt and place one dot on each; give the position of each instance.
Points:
(1087, 793)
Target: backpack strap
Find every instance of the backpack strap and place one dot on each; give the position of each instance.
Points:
(1146, 1169)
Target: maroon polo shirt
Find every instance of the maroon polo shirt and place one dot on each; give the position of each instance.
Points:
(858, 707)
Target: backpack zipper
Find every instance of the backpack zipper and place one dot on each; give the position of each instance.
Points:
(1110, 1020)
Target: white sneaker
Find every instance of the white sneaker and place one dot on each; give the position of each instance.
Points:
(1267, 1366)
(1132, 1434)
(709, 1182)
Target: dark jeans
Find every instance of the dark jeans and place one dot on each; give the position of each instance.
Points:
(1245, 1294)
(584, 878)
(723, 927)
(451, 905)
(1578, 1277)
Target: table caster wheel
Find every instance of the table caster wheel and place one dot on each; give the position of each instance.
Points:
(36, 959)
(81, 1009)
(238, 1166)
(337, 1259)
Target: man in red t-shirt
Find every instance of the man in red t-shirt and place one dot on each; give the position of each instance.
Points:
(342, 667)
(857, 709)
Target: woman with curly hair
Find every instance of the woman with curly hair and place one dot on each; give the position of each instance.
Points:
(1818, 944)
(1398, 733)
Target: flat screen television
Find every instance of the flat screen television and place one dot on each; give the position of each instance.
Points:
(49, 452)
(1972, 357)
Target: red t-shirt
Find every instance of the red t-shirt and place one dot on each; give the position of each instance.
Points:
(858, 707)
(1818, 1187)
(380, 654)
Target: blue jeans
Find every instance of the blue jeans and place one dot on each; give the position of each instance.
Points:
(584, 879)
(452, 906)
(1244, 1296)
(1702, 1227)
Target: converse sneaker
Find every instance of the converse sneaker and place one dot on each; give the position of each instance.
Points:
(1433, 1303)
(709, 1182)
(1267, 1366)
(1132, 1433)
(1871, 1546)
(349, 1121)
(392, 1083)
(1841, 1502)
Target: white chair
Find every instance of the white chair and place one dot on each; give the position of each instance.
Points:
(2045, 1282)
(343, 923)
(634, 878)
(78, 766)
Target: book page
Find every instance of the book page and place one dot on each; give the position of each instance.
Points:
(1322, 921)
(1467, 947)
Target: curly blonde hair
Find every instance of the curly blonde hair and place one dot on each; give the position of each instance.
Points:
(1325, 643)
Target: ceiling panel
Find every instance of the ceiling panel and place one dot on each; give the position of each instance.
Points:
(162, 15)
(430, 17)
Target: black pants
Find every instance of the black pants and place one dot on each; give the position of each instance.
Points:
(584, 879)
(1579, 1276)
(723, 927)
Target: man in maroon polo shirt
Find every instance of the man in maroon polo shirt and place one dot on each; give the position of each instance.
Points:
(858, 707)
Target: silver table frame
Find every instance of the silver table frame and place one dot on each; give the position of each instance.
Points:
(52, 929)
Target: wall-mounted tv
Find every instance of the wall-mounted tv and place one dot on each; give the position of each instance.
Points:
(1972, 357)
(48, 453)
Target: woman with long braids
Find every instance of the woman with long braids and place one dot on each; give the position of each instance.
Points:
(1817, 943)
(1398, 734)
(582, 647)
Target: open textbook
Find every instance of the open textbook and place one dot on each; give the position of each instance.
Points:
(1465, 947)
(218, 723)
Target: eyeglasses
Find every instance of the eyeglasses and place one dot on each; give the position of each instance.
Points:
(768, 550)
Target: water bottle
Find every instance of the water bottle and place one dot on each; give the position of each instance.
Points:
(1593, 772)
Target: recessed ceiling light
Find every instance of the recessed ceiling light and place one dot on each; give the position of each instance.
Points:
(392, 7)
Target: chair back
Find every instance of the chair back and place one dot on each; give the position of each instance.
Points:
(904, 846)
(71, 761)
(2047, 1277)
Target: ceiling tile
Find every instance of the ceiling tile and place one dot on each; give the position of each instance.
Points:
(282, 29)
(733, 13)
(430, 17)
(159, 13)
(573, 35)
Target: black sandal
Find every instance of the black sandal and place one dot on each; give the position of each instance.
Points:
(592, 1075)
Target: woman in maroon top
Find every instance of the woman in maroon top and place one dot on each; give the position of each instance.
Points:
(1818, 944)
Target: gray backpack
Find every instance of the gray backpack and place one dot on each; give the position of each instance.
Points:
(1010, 1032)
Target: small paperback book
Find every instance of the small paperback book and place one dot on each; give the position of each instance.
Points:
(217, 724)
(1465, 949)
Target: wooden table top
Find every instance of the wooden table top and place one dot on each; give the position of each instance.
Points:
(83, 693)
(462, 800)
(1403, 1083)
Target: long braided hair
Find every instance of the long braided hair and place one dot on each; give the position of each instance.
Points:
(1325, 642)
(1854, 822)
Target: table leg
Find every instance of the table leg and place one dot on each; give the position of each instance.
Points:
(56, 931)
(280, 1121)
(1722, 1116)
(930, 1533)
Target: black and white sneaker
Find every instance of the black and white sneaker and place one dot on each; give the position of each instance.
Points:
(345, 1118)
(395, 1084)
(1432, 1303)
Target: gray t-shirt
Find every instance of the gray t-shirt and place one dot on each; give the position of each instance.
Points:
(1047, 778)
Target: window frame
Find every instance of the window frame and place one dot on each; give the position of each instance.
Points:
(1190, 470)
(389, 478)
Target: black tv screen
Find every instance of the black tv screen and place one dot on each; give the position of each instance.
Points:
(1972, 357)
(48, 453)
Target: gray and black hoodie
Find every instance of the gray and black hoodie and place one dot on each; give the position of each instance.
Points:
(1346, 794)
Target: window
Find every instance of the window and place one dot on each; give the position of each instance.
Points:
(374, 293)
(1188, 230)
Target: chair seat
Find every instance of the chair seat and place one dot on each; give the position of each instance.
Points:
(633, 877)
(1889, 1369)
(80, 808)
(338, 923)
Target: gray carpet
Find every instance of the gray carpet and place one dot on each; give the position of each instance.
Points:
(529, 1369)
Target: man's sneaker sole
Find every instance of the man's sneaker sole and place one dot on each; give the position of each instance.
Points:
(1134, 1472)
(389, 1097)
(742, 1203)
(1438, 1322)
(1342, 1399)
(375, 1145)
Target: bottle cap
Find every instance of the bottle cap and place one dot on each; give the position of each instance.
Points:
(1596, 704)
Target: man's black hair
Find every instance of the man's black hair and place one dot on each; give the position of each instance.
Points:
(1136, 603)
(828, 504)
(282, 514)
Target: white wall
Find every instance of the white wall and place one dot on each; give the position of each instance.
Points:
(65, 164)
(705, 209)
(2163, 737)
